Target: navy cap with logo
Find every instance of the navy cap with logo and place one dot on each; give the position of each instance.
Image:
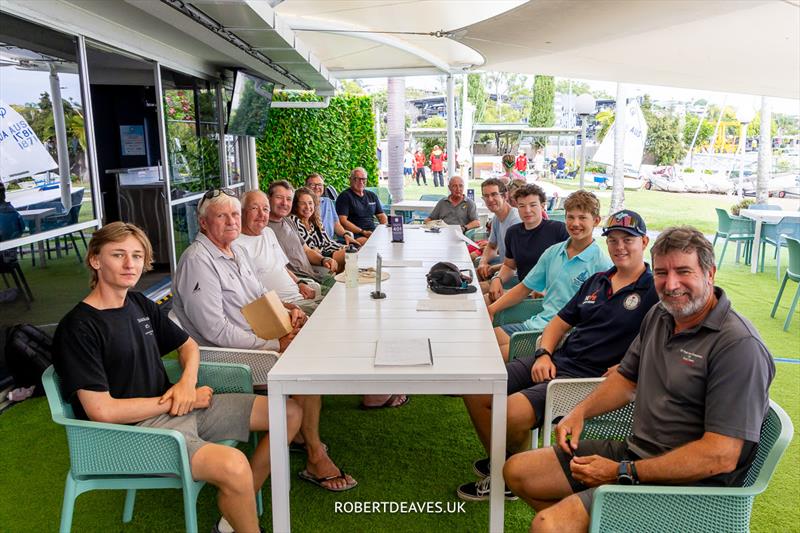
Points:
(627, 221)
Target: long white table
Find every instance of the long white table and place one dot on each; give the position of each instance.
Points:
(334, 352)
(428, 205)
(760, 216)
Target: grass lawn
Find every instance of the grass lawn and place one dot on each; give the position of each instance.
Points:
(418, 453)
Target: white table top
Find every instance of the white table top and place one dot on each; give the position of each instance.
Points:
(21, 199)
(768, 215)
(428, 205)
(338, 343)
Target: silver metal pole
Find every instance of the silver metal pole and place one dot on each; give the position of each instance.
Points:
(166, 169)
(88, 126)
(451, 130)
(61, 138)
(584, 119)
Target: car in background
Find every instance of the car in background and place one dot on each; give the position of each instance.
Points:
(786, 186)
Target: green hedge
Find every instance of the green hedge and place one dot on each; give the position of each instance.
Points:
(331, 141)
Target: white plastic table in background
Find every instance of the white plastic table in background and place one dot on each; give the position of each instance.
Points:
(760, 216)
(334, 352)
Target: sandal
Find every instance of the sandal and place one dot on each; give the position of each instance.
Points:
(388, 403)
(318, 481)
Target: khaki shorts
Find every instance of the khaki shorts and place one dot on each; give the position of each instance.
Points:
(228, 417)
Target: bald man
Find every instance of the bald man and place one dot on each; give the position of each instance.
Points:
(269, 259)
(456, 209)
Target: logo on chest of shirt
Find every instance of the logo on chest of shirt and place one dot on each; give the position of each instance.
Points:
(689, 358)
(580, 278)
(144, 324)
(632, 301)
(592, 298)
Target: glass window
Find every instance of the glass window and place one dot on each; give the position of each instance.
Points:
(38, 67)
(190, 110)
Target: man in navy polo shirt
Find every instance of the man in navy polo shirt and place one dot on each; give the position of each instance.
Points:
(357, 207)
(604, 315)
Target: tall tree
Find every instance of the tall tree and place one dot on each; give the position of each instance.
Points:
(542, 112)
(476, 94)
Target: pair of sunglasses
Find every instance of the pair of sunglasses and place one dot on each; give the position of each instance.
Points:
(213, 193)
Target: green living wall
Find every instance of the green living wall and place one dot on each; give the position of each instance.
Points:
(331, 141)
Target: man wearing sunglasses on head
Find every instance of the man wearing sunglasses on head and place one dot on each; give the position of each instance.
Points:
(215, 278)
(358, 207)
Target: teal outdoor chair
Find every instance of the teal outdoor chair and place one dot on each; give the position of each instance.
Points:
(522, 342)
(657, 508)
(477, 234)
(775, 235)
(123, 457)
(737, 229)
(792, 273)
(557, 214)
(419, 216)
(384, 196)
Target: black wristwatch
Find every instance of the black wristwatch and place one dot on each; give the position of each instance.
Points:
(626, 473)
(540, 352)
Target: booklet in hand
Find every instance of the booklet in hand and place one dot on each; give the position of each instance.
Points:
(267, 316)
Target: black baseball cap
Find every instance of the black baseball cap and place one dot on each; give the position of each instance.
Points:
(627, 221)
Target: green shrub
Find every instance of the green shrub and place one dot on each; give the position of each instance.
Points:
(688, 170)
(743, 204)
(331, 141)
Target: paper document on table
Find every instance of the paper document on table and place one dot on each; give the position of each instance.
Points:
(402, 263)
(405, 352)
(467, 239)
(446, 305)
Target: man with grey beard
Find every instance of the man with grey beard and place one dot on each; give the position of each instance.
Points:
(700, 374)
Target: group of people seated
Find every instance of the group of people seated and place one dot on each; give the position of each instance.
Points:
(664, 326)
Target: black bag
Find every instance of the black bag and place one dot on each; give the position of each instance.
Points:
(28, 354)
(446, 278)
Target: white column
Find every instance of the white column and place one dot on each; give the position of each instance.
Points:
(764, 152)
(396, 134)
(451, 127)
(742, 144)
(61, 138)
(618, 191)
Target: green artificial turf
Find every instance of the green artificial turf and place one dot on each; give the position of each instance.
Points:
(419, 453)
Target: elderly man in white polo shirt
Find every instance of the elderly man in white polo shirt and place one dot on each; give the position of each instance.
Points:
(215, 278)
(269, 259)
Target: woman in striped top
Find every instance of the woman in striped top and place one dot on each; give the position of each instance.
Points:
(305, 217)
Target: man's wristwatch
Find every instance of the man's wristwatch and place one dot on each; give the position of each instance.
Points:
(626, 473)
(540, 352)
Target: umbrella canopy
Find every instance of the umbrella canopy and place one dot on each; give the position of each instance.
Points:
(744, 46)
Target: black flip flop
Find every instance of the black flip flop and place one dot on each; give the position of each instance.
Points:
(305, 475)
(387, 404)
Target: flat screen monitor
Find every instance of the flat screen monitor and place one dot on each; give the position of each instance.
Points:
(249, 107)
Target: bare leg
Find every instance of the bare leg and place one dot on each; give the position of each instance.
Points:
(227, 469)
(503, 341)
(318, 464)
(520, 419)
(567, 516)
(259, 421)
(536, 477)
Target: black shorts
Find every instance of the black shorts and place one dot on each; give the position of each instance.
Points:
(520, 380)
(610, 449)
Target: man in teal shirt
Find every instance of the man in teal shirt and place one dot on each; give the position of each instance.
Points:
(560, 271)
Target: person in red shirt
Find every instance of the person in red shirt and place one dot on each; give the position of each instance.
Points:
(521, 163)
(438, 157)
(419, 163)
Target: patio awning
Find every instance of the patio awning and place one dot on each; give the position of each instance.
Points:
(378, 38)
(744, 46)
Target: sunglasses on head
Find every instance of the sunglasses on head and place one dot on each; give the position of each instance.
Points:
(213, 193)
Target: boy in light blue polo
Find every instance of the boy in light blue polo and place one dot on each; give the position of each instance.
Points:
(560, 271)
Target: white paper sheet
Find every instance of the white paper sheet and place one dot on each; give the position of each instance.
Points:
(446, 305)
(405, 352)
(466, 239)
(402, 263)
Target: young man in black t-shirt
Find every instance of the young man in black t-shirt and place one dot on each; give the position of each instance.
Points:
(526, 242)
(108, 350)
